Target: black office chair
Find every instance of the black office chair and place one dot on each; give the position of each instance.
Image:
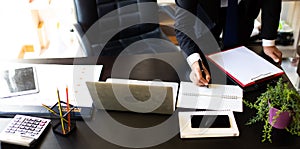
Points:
(145, 32)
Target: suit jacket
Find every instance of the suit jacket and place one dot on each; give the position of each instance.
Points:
(213, 16)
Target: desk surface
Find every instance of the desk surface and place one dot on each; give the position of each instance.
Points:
(150, 125)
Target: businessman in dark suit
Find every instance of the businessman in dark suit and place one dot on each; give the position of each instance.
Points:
(213, 14)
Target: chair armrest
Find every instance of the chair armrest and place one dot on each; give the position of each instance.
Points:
(83, 41)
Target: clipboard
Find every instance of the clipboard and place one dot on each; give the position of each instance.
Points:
(244, 66)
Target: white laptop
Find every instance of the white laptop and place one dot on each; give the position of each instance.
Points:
(134, 95)
(42, 82)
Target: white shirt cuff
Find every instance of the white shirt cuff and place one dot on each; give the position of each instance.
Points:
(193, 58)
(266, 42)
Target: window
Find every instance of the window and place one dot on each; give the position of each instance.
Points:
(36, 28)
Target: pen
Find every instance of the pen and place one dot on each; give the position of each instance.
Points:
(68, 108)
(202, 70)
(60, 113)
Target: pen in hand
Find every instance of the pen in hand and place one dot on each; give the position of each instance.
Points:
(202, 70)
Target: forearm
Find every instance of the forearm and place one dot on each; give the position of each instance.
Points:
(184, 26)
(270, 18)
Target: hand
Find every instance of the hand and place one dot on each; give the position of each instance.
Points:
(274, 53)
(196, 75)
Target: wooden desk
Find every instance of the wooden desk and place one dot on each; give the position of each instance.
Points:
(86, 137)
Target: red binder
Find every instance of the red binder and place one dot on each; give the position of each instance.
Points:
(244, 66)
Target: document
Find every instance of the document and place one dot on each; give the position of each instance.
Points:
(245, 66)
(215, 97)
(203, 124)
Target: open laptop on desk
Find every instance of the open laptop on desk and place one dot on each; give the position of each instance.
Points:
(134, 95)
(50, 78)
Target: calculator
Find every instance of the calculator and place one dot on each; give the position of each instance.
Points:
(24, 130)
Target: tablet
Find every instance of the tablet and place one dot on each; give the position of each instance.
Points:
(18, 81)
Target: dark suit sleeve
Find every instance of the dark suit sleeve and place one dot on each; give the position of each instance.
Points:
(270, 18)
(184, 25)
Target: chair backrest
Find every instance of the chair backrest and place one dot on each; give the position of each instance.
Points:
(90, 11)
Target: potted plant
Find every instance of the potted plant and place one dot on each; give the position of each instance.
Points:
(278, 107)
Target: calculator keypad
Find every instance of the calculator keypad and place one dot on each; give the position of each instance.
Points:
(27, 126)
(22, 127)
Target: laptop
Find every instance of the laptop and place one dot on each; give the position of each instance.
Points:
(44, 81)
(134, 95)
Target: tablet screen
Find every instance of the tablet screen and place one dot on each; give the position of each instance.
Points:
(18, 81)
(210, 121)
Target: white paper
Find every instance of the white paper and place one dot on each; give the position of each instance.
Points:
(244, 65)
(216, 97)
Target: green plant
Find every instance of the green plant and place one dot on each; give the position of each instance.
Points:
(281, 97)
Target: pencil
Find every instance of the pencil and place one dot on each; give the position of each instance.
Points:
(60, 113)
(68, 108)
(53, 112)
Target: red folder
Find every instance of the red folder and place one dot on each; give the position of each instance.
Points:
(244, 66)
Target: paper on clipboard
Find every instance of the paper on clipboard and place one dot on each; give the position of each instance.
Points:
(244, 66)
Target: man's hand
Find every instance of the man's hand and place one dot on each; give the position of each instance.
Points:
(196, 74)
(274, 53)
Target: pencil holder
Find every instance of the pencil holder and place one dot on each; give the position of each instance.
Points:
(64, 124)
